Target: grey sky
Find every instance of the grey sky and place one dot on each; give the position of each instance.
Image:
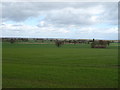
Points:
(67, 18)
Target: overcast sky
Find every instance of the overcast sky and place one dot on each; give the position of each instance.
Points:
(60, 20)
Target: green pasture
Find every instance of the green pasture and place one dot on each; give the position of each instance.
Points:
(70, 66)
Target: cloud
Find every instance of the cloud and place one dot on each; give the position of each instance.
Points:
(55, 32)
(61, 13)
(63, 19)
(72, 16)
(30, 31)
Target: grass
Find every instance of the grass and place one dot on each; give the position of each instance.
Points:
(70, 66)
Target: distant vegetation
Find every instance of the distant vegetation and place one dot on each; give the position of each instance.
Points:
(59, 42)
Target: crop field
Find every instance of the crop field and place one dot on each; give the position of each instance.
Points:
(68, 66)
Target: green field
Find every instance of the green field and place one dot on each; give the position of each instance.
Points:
(70, 66)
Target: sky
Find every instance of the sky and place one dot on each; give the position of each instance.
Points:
(73, 20)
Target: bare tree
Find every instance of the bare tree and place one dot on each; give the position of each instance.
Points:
(59, 43)
(12, 40)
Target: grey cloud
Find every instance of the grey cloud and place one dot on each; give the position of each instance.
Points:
(68, 17)
(17, 11)
(111, 13)
(21, 11)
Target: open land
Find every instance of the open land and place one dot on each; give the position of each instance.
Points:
(69, 66)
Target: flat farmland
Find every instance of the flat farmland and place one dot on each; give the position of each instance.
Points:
(69, 66)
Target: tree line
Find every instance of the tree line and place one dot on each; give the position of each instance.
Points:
(59, 42)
